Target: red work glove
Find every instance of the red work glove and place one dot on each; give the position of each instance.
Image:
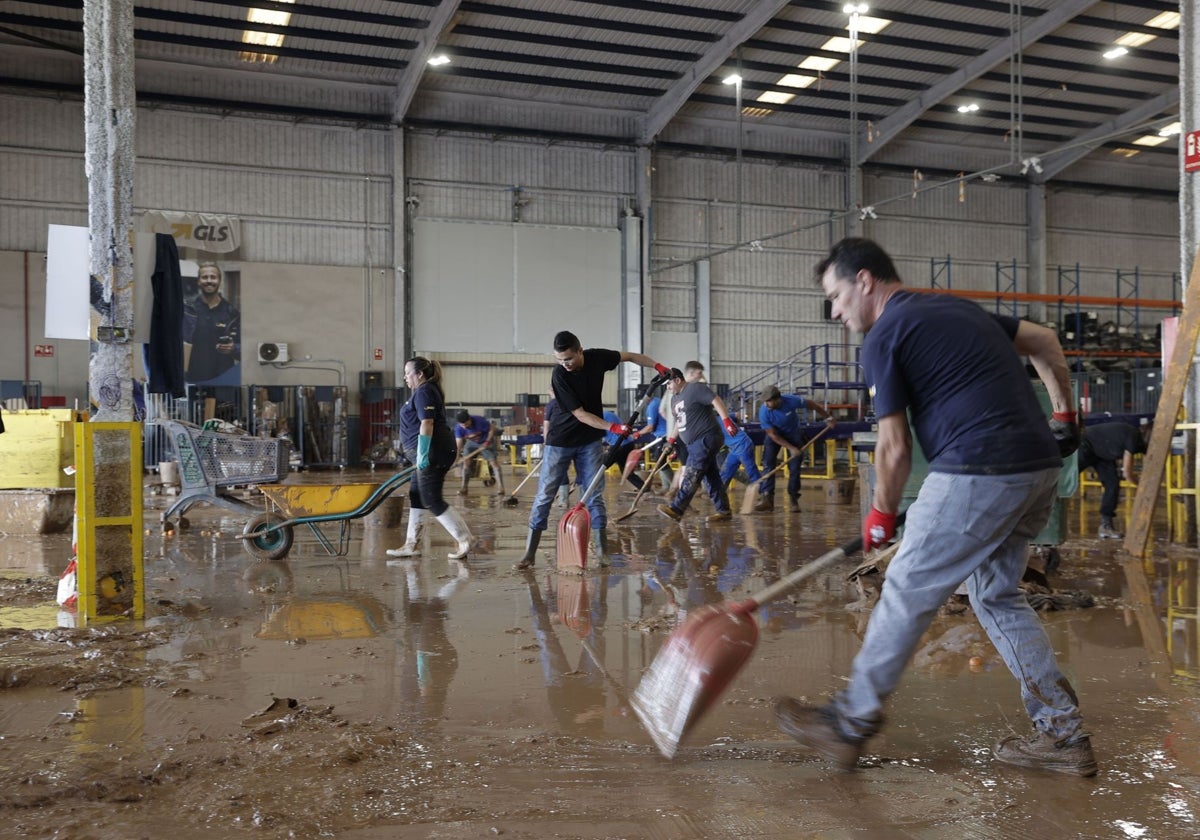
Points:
(730, 426)
(662, 370)
(878, 528)
(619, 429)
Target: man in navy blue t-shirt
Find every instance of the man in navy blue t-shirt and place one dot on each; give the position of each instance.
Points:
(993, 474)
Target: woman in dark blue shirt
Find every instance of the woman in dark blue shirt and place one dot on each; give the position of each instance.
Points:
(428, 443)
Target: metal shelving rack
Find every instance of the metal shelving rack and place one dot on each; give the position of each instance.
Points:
(321, 425)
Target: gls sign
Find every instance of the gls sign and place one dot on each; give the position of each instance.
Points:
(202, 231)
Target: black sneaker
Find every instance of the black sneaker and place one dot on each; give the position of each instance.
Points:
(817, 728)
(1107, 531)
(1042, 752)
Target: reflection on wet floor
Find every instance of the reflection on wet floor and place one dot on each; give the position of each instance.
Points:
(480, 700)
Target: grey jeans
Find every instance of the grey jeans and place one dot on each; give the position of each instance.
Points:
(974, 528)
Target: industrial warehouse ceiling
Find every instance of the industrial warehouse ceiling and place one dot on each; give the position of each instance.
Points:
(1069, 90)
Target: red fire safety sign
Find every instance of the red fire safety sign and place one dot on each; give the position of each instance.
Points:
(1191, 151)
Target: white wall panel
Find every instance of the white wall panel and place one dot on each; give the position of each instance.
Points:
(494, 288)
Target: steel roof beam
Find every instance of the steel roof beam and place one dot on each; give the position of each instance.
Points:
(406, 88)
(669, 103)
(306, 10)
(543, 17)
(509, 35)
(1088, 142)
(887, 130)
(288, 31)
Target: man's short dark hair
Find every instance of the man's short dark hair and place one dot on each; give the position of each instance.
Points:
(853, 254)
(694, 365)
(566, 340)
(676, 373)
(463, 417)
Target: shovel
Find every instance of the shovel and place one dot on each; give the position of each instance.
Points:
(511, 501)
(700, 659)
(751, 497)
(634, 458)
(575, 528)
(658, 465)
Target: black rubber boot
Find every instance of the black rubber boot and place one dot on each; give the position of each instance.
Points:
(766, 504)
(531, 546)
(602, 557)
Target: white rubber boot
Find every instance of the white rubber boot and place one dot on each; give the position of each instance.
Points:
(412, 544)
(453, 522)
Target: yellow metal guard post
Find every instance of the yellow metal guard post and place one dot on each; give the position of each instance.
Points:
(108, 498)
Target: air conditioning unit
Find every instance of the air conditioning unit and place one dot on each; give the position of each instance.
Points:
(272, 351)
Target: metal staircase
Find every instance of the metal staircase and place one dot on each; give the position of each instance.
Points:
(830, 374)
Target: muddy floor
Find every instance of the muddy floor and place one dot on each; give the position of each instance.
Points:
(348, 697)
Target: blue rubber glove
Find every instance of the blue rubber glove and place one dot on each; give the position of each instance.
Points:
(423, 444)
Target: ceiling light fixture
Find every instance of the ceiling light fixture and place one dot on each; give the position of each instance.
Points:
(438, 60)
(1170, 130)
(969, 108)
(856, 8)
(867, 213)
(1116, 52)
(1166, 20)
(254, 37)
(732, 79)
(1034, 162)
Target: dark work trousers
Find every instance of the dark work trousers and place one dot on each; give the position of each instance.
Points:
(770, 456)
(1110, 479)
(702, 466)
(425, 488)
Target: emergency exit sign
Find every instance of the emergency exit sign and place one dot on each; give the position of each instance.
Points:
(1191, 151)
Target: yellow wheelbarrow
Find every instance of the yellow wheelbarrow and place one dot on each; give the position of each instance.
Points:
(269, 535)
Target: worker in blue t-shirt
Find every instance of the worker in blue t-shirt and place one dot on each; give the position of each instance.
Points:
(472, 432)
(781, 424)
(741, 453)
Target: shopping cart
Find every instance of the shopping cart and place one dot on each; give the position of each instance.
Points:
(210, 460)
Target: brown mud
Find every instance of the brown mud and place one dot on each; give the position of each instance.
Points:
(348, 697)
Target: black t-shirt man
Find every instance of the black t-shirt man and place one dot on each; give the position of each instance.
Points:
(580, 388)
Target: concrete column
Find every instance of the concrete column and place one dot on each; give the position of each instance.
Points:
(402, 295)
(109, 111)
(1189, 186)
(703, 275)
(632, 281)
(643, 184)
(1035, 246)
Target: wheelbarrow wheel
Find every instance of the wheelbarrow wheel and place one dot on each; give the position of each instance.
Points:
(271, 545)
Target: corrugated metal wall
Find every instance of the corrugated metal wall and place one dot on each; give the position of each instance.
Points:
(965, 235)
(322, 195)
(306, 194)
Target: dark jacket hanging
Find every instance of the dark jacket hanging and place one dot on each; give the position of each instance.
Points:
(163, 354)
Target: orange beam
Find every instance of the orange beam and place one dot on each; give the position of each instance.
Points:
(1029, 297)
